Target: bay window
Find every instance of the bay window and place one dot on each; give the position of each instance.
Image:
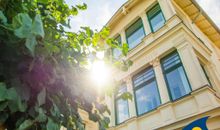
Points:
(175, 76)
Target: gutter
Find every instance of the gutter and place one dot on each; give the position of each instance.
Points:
(205, 15)
(121, 9)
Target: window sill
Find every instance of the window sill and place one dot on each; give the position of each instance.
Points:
(180, 98)
(162, 106)
(150, 112)
(126, 121)
(139, 116)
(153, 36)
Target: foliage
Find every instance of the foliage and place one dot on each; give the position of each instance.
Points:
(43, 67)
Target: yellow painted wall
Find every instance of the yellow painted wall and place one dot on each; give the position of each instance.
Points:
(179, 34)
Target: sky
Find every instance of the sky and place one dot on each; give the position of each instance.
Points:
(99, 12)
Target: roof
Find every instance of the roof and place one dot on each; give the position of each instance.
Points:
(123, 10)
(190, 7)
(201, 19)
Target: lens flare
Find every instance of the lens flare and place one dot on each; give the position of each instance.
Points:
(99, 73)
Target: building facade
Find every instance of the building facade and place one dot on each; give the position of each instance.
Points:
(175, 76)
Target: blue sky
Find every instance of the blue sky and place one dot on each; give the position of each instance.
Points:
(100, 11)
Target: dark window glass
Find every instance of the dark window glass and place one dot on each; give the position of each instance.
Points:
(135, 33)
(156, 18)
(176, 79)
(116, 51)
(146, 91)
(122, 111)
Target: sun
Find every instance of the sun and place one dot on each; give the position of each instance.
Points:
(99, 73)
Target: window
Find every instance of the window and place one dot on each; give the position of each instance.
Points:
(121, 106)
(116, 51)
(146, 91)
(156, 18)
(135, 33)
(175, 76)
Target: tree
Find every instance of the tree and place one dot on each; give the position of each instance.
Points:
(43, 66)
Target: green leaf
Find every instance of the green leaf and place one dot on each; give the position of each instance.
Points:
(22, 106)
(15, 103)
(13, 100)
(93, 117)
(102, 125)
(106, 121)
(126, 95)
(43, 1)
(96, 38)
(3, 92)
(16, 22)
(80, 126)
(31, 43)
(74, 11)
(82, 7)
(51, 125)
(19, 122)
(13, 106)
(37, 27)
(41, 116)
(3, 19)
(104, 33)
(25, 125)
(130, 63)
(125, 49)
(23, 28)
(55, 110)
(12, 94)
(22, 23)
(41, 98)
(88, 31)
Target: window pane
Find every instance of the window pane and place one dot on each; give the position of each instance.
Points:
(136, 38)
(156, 18)
(121, 89)
(157, 21)
(171, 61)
(153, 11)
(122, 112)
(176, 78)
(143, 77)
(136, 25)
(147, 98)
(177, 83)
(146, 92)
(116, 51)
(135, 33)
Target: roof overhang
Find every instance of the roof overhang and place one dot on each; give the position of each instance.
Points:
(201, 19)
(190, 7)
(121, 12)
